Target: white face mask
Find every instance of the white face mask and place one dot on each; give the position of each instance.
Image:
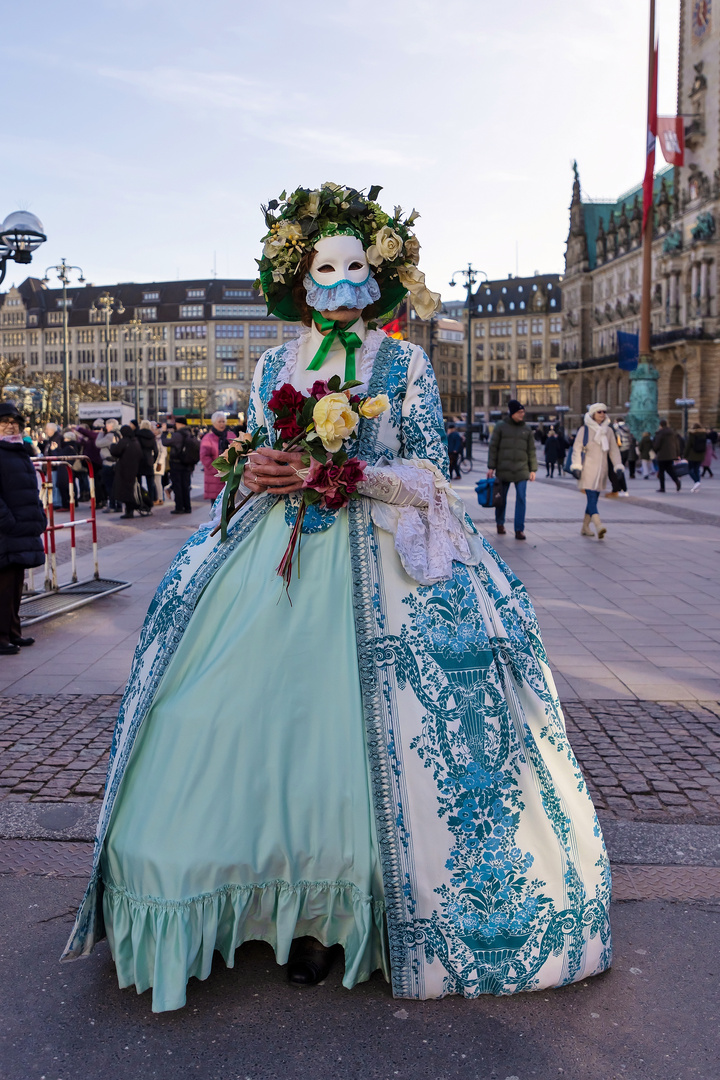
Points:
(339, 258)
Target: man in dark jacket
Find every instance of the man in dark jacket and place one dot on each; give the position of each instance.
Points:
(665, 445)
(184, 455)
(22, 523)
(455, 450)
(511, 455)
(129, 463)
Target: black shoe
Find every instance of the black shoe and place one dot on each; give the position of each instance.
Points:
(310, 963)
(660, 491)
(177, 511)
(187, 511)
(9, 649)
(126, 516)
(22, 642)
(519, 535)
(501, 530)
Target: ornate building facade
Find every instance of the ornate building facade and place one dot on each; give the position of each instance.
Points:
(196, 342)
(603, 262)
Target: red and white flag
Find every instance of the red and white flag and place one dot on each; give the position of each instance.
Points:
(651, 133)
(671, 133)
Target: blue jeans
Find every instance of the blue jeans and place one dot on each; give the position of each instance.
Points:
(694, 470)
(520, 503)
(592, 501)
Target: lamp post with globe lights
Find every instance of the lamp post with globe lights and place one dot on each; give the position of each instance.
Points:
(471, 276)
(21, 233)
(63, 271)
(105, 305)
(135, 330)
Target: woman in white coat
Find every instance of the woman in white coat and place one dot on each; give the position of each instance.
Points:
(594, 442)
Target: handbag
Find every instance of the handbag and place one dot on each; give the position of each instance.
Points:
(681, 467)
(484, 491)
(498, 499)
(617, 477)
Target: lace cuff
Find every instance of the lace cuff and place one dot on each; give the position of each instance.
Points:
(413, 501)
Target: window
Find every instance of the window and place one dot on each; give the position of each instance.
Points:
(263, 330)
(33, 359)
(148, 297)
(191, 311)
(555, 348)
(291, 330)
(14, 301)
(227, 371)
(534, 288)
(33, 338)
(194, 373)
(553, 371)
(32, 320)
(54, 317)
(191, 354)
(512, 305)
(522, 350)
(537, 371)
(504, 289)
(520, 288)
(256, 351)
(522, 372)
(195, 294)
(183, 333)
(536, 350)
(537, 326)
(489, 307)
(147, 314)
(16, 337)
(553, 302)
(239, 311)
(521, 326)
(555, 325)
(549, 286)
(522, 304)
(228, 352)
(84, 337)
(238, 294)
(225, 330)
(53, 337)
(479, 330)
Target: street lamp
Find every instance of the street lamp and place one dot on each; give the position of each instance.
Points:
(63, 271)
(685, 403)
(471, 276)
(135, 327)
(105, 305)
(21, 233)
(154, 335)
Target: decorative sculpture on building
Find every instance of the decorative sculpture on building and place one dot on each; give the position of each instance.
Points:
(673, 241)
(623, 233)
(698, 184)
(695, 130)
(663, 207)
(704, 228)
(635, 223)
(612, 237)
(600, 243)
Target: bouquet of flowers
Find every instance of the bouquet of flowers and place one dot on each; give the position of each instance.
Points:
(322, 425)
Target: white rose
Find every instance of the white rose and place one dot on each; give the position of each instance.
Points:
(425, 302)
(388, 245)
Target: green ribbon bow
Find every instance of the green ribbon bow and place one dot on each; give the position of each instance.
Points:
(347, 339)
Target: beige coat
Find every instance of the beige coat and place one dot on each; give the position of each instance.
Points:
(593, 463)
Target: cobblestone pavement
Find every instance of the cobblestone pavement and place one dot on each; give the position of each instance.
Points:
(644, 761)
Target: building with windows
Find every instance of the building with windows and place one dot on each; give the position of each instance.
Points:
(443, 340)
(603, 263)
(196, 349)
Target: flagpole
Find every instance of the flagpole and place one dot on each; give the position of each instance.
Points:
(646, 297)
(643, 413)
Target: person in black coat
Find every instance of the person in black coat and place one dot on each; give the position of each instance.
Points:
(148, 445)
(22, 523)
(130, 462)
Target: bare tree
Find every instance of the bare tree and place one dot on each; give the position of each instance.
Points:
(49, 387)
(11, 373)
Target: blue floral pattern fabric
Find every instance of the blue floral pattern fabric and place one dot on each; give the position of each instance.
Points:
(495, 874)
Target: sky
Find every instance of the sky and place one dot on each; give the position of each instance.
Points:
(146, 133)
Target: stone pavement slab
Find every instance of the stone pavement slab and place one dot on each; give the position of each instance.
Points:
(652, 1017)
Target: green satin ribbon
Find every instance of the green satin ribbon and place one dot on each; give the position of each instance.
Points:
(347, 339)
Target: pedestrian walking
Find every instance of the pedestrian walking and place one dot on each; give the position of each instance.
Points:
(511, 455)
(129, 456)
(214, 443)
(148, 445)
(695, 450)
(628, 448)
(553, 453)
(665, 445)
(50, 447)
(709, 456)
(160, 467)
(184, 456)
(22, 523)
(88, 444)
(455, 450)
(646, 452)
(107, 438)
(595, 444)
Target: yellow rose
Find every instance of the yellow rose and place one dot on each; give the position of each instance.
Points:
(388, 245)
(334, 420)
(311, 207)
(374, 406)
(425, 302)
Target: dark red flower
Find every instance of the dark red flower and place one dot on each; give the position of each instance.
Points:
(335, 500)
(352, 473)
(287, 427)
(287, 397)
(355, 399)
(319, 389)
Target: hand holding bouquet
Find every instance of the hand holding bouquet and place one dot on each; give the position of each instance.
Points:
(322, 426)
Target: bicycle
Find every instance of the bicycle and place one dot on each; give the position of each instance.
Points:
(466, 465)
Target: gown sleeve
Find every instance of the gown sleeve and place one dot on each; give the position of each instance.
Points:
(411, 496)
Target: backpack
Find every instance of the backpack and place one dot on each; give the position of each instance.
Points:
(189, 451)
(699, 441)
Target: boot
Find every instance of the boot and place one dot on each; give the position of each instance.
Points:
(601, 530)
(586, 530)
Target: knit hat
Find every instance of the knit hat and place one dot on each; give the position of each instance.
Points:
(9, 408)
(514, 406)
(599, 406)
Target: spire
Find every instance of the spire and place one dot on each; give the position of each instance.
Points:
(576, 254)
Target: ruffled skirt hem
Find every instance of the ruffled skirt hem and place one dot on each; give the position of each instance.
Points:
(163, 943)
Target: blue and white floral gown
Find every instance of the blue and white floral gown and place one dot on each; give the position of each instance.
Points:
(384, 764)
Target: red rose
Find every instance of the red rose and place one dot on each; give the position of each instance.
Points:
(319, 389)
(355, 399)
(287, 397)
(322, 478)
(352, 473)
(335, 500)
(287, 427)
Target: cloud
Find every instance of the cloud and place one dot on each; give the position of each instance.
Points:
(197, 89)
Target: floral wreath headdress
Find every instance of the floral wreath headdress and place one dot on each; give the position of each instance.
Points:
(297, 221)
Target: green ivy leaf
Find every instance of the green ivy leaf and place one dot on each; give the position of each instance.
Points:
(374, 192)
(334, 383)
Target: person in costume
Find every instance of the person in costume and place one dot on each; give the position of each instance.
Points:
(394, 775)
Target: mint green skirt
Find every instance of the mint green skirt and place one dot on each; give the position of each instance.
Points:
(246, 810)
